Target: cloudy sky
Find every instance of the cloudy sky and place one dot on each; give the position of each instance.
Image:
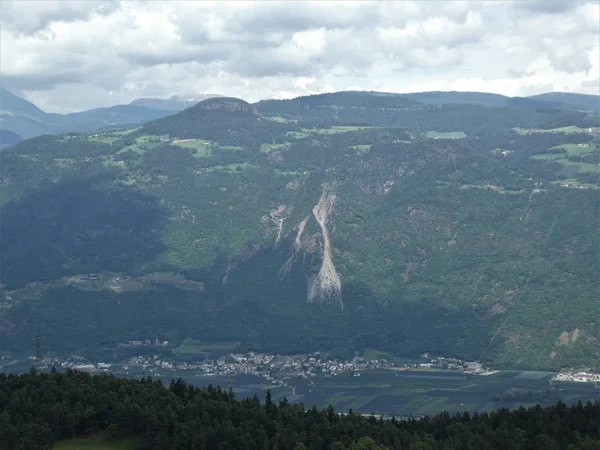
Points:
(73, 55)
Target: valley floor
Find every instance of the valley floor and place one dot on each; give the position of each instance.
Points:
(386, 391)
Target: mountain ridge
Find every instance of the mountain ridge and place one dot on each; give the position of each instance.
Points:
(334, 223)
(174, 103)
(26, 120)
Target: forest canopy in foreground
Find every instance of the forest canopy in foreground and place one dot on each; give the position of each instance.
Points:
(39, 409)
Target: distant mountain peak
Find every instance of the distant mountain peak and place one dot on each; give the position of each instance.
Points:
(194, 97)
(18, 105)
(173, 103)
(209, 119)
(230, 104)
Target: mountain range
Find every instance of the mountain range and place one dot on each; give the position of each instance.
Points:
(21, 119)
(338, 222)
(174, 103)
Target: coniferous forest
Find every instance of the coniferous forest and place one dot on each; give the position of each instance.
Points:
(39, 409)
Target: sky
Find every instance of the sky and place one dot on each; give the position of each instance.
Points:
(69, 56)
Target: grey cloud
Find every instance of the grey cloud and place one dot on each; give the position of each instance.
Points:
(591, 84)
(547, 6)
(517, 73)
(252, 41)
(78, 97)
(260, 68)
(154, 90)
(32, 16)
(569, 62)
(302, 16)
(350, 49)
(266, 46)
(68, 70)
(202, 54)
(37, 81)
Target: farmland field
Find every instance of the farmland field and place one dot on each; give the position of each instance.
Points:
(144, 143)
(573, 168)
(191, 346)
(362, 148)
(569, 129)
(577, 149)
(336, 129)
(267, 148)
(201, 146)
(408, 394)
(549, 156)
(412, 393)
(449, 135)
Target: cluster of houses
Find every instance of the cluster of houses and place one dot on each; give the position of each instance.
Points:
(268, 366)
(578, 377)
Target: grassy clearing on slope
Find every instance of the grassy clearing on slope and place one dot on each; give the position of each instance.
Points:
(268, 148)
(278, 119)
(498, 189)
(139, 149)
(370, 354)
(97, 443)
(572, 168)
(448, 135)
(291, 173)
(144, 143)
(111, 162)
(65, 162)
(296, 134)
(336, 129)
(229, 168)
(549, 156)
(361, 148)
(331, 130)
(106, 281)
(201, 146)
(102, 138)
(574, 184)
(125, 132)
(194, 347)
(577, 149)
(569, 129)
(155, 138)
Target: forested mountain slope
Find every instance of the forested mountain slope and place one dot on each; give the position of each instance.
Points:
(336, 222)
(37, 410)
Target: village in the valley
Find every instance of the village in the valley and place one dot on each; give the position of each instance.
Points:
(269, 366)
(277, 368)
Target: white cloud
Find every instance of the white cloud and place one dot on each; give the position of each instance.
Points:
(81, 54)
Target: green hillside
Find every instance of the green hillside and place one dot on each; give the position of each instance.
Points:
(338, 222)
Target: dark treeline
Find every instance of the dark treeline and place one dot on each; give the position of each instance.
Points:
(38, 409)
